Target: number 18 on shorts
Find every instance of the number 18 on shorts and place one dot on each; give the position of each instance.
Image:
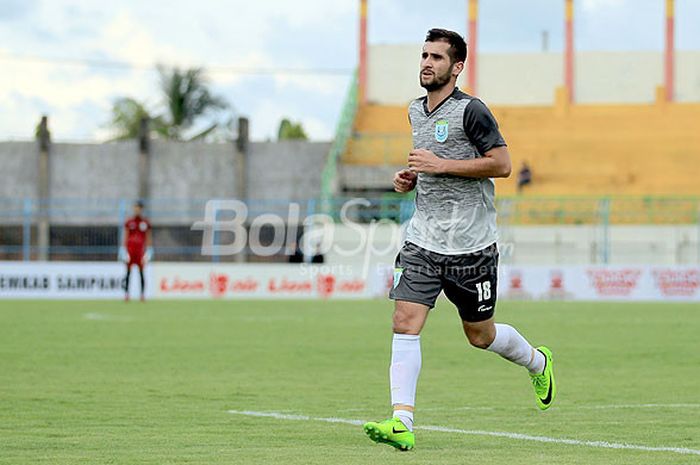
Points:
(469, 280)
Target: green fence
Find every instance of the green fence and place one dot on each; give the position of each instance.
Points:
(600, 210)
(342, 133)
(523, 210)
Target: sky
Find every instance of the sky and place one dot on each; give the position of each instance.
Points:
(70, 59)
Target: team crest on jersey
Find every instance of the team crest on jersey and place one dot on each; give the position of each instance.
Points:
(441, 130)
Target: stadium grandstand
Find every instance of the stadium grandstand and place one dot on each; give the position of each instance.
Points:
(588, 124)
(633, 149)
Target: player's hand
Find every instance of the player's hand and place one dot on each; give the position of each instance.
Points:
(123, 255)
(148, 256)
(405, 181)
(425, 161)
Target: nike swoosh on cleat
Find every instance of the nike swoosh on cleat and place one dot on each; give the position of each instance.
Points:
(548, 399)
(393, 430)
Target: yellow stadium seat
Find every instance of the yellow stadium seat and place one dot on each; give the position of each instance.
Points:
(587, 150)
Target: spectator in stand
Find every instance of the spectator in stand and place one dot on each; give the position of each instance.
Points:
(524, 176)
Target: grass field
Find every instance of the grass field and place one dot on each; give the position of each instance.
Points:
(153, 383)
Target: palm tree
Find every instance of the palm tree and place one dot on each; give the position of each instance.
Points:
(187, 97)
(126, 118)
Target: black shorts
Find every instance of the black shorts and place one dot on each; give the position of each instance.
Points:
(469, 280)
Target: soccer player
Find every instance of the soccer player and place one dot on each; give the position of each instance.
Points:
(451, 239)
(137, 248)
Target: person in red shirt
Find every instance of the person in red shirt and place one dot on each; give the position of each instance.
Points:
(137, 249)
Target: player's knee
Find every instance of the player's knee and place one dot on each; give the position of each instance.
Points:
(479, 339)
(403, 324)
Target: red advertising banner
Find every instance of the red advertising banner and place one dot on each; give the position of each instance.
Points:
(633, 283)
(258, 281)
(59, 280)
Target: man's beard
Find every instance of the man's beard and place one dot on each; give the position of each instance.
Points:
(437, 82)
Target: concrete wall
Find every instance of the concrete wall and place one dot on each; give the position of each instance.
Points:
(531, 78)
(87, 181)
(288, 170)
(93, 171)
(192, 171)
(537, 245)
(688, 76)
(367, 177)
(19, 167)
(627, 245)
(523, 79)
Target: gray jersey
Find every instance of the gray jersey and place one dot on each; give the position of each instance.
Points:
(454, 215)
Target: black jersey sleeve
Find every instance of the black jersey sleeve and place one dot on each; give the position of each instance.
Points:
(481, 127)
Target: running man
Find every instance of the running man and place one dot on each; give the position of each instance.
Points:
(451, 239)
(137, 248)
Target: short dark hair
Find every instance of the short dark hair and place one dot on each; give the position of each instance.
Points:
(458, 46)
(138, 203)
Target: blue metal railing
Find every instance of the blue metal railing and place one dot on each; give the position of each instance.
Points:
(91, 229)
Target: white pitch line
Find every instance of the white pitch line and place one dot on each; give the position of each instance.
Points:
(107, 317)
(427, 409)
(446, 409)
(287, 416)
(498, 434)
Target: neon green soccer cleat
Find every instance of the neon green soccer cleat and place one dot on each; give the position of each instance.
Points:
(545, 388)
(392, 432)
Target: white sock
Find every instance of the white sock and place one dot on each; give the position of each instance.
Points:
(406, 417)
(404, 370)
(511, 345)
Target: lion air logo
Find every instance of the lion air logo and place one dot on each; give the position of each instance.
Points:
(556, 281)
(218, 283)
(677, 283)
(516, 281)
(557, 286)
(516, 288)
(614, 282)
(325, 284)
